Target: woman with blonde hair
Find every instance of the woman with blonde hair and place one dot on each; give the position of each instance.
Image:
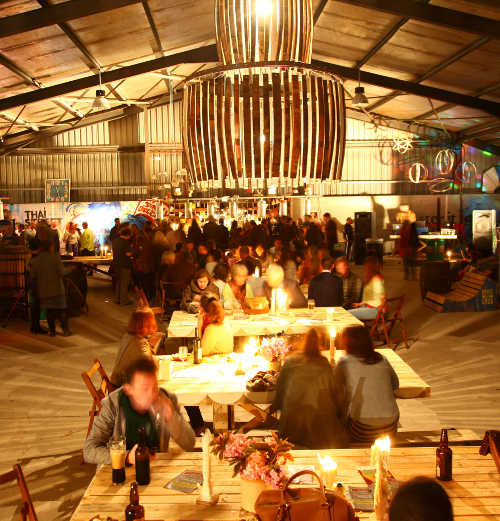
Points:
(134, 344)
(216, 338)
(310, 415)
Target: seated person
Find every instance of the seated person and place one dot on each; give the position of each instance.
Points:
(276, 279)
(216, 336)
(200, 286)
(365, 383)
(263, 257)
(256, 283)
(373, 292)
(237, 289)
(176, 271)
(310, 414)
(352, 284)
(421, 499)
(134, 344)
(220, 277)
(326, 289)
(138, 403)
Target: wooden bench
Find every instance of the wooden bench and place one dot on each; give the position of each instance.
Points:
(475, 292)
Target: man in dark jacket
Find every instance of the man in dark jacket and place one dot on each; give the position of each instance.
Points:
(314, 236)
(326, 289)
(210, 229)
(122, 260)
(222, 236)
(330, 231)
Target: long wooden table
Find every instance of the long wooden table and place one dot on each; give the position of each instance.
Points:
(474, 491)
(213, 382)
(293, 322)
(91, 262)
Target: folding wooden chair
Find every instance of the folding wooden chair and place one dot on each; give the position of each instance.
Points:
(97, 393)
(389, 313)
(27, 509)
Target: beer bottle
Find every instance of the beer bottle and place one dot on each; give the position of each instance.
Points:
(444, 458)
(134, 511)
(142, 471)
(197, 355)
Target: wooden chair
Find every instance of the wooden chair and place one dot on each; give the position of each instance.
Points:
(27, 509)
(170, 299)
(388, 314)
(97, 393)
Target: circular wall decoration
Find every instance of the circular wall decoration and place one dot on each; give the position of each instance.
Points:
(402, 145)
(444, 161)
(417, 172)
(468, 171)
(440, 185)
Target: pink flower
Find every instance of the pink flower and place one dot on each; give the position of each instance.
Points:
(236, 446)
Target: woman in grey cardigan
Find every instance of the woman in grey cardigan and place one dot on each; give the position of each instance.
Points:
(365, 383)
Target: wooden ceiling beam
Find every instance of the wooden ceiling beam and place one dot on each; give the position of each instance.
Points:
(434, 70)
(154, 30)
(199, 55)
(480, 130)
(57, 14)
(408, 87)
(449, 106)
(433, 14)
(319, 11)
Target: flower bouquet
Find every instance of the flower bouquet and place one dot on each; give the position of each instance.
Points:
(274, 349)
(260, 465)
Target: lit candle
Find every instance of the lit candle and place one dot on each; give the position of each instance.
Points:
(257, 272)
(328, 470)
(105, 251)
(380, 449)
(449, 254)
(100, 251)
(281, 298)
(273, 301)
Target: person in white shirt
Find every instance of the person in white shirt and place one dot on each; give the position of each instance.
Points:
(373, 292)
(217, 337)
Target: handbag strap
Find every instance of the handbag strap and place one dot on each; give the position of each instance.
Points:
(291, 479)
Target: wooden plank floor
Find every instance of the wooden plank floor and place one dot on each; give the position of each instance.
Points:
(44, 413)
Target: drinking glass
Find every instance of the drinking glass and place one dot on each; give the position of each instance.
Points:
(183, 353)
(118, 452)
(310, 304)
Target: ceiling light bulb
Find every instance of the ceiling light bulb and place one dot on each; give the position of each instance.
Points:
(360, 99)
(262, 138)
(100, 101)
(263, 7)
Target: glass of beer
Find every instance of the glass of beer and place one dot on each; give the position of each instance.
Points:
(118, 452)
(183, 353)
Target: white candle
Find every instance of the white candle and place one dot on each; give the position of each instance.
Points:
(333, 334)
(206, 488)
(257, 273)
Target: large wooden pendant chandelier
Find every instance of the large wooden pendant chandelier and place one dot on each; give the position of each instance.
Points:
(266, 116)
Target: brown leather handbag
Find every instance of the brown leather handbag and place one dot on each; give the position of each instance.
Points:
(302, 504)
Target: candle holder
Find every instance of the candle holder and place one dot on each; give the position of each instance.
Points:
(207, 497)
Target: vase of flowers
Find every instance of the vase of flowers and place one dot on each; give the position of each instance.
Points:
(261, 465)
(274, 350)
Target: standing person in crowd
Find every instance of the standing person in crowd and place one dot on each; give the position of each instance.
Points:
(314, 235)
(54, 235)
(276, 280)
(408, 244)
(310, 266)
(217, 337)
(326, 289)
(234, 235)
(175, 236)
(47, 273)
(134, 344)
(222, 236)
(29, 231)
(420, 499)
(202, 254)
(348, 238)
(330, 232)
(87, 241)
(373, 291)
(138, 403)
(122, 260)
(352, 285)
(114, 233)
(200, 286)
(237, 289)
(195, 235)
(36, 328)
(143, 265)
(365, 383)
(210, 229)
(310, 415)
(70, 239)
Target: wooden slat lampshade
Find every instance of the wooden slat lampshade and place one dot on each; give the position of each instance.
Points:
(263, 30)
(265, 115)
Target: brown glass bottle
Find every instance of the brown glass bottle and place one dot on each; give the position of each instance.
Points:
(134, 511)
(142, 470)
(444, 458)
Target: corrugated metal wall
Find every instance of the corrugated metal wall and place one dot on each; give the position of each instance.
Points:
(102, 172)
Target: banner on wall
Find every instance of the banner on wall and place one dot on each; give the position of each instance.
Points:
(28, 212)
(147, 209)
(57, 190)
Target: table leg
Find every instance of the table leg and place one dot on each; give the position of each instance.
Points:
(261, 417)
(223, 417)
